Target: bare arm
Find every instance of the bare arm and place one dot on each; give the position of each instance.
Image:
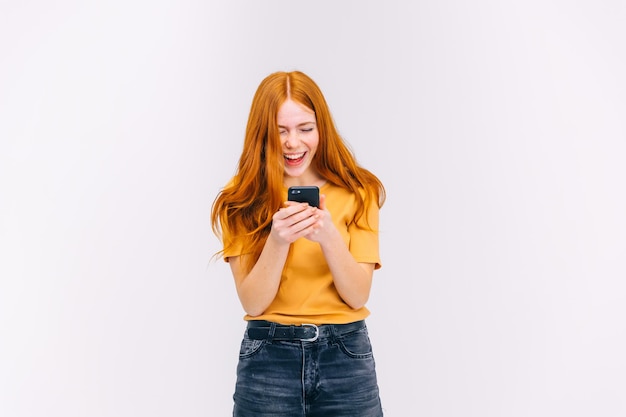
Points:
(257, 288)
(353, 280)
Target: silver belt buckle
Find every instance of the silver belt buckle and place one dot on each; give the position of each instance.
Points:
(317, 332)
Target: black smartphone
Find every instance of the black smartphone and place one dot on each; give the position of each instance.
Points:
(305, 194)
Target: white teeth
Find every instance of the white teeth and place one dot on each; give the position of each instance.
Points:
(295, 156)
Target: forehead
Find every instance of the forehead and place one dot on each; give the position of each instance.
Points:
(291, 111)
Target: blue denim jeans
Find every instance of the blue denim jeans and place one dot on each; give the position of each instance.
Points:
(333, 376)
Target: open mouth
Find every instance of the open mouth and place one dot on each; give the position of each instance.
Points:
(294, 158)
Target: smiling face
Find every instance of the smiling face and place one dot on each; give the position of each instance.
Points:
(299, 138)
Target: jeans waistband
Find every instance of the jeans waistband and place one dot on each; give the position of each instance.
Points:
(267, 330)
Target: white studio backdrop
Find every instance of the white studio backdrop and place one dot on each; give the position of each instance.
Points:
(498, 128)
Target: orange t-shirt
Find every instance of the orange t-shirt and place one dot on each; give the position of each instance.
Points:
(307, 293)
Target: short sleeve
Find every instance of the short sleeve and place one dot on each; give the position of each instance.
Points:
(364, 245)
(232, 246)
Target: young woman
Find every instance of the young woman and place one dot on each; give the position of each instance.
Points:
(303, 274)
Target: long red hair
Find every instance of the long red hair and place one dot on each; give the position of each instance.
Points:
(246, 205)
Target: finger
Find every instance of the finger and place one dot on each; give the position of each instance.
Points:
(294, 203)
(304, 221)
(291, 209)
(304, 218)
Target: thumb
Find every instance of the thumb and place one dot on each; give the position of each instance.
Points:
(322, 201)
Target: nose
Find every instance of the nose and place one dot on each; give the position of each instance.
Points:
(291, 140)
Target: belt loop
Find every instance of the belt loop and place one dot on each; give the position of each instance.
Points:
(333, 332)
(270, 335)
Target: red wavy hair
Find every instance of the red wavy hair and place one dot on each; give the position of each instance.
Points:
(246, 205)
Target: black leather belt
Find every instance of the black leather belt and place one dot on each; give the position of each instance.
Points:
(267, 330)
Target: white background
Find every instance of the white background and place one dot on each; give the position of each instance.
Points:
(498, 128)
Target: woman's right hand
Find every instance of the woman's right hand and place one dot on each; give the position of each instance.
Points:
(292, 221)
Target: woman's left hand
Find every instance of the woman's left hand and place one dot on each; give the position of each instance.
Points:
(323, 228)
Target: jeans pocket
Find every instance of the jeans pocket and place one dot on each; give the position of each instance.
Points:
(249, 347)
(356, 345)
